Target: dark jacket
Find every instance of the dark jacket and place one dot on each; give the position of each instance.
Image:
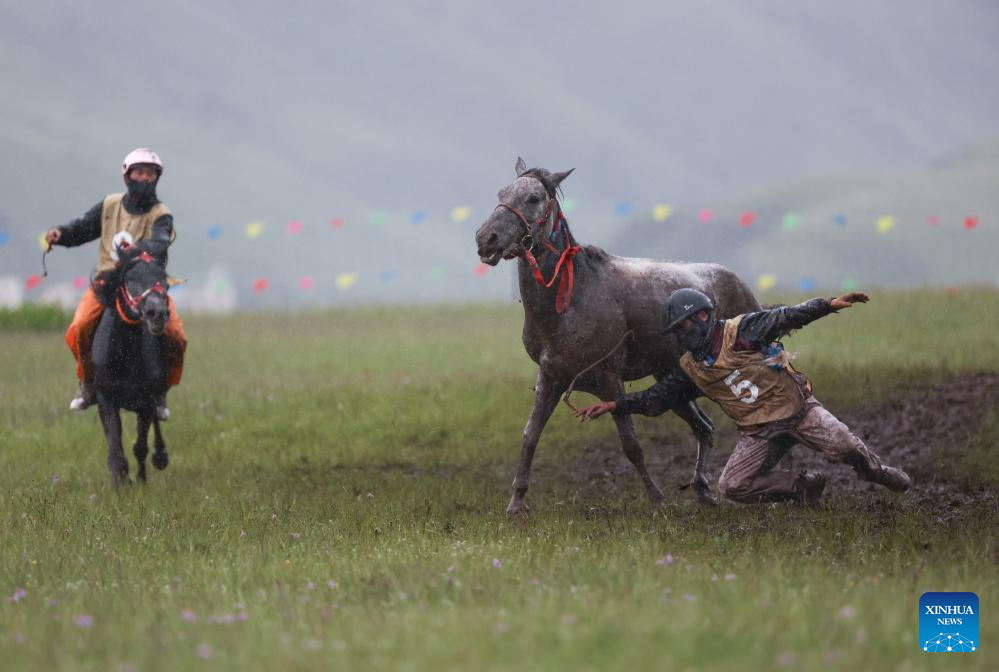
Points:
(756, 332)
(88, 227)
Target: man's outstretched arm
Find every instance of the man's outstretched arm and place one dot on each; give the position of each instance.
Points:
(79, 231)
(774, 324)
(673, 389)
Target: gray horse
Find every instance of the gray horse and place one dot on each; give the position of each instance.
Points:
(589, 312)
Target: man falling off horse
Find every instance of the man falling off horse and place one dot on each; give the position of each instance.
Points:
(120, 220)
(740, 365)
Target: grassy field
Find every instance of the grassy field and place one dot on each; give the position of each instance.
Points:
(336, 500)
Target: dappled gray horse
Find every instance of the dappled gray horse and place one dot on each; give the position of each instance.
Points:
(580, 304)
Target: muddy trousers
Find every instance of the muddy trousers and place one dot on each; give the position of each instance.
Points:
(80, 338)
(751, 474)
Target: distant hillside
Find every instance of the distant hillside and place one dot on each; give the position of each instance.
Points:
(825, 249)
(372, 111)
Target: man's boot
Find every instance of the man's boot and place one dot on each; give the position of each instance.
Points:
(892, 478)
(162, 411)
(85, 397)
(809, 486)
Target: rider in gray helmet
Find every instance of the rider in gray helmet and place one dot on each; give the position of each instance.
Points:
(741, 365)
(684, 303)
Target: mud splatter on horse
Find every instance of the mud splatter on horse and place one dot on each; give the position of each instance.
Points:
(580, 303)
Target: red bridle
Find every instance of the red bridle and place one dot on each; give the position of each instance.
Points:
(563, 296)
(133, 303)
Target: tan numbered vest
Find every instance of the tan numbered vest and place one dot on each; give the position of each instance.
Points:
(749, 391)
(115, 219)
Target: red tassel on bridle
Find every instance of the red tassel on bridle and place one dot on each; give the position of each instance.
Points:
(563, 295)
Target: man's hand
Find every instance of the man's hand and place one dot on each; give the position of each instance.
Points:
(52, 236)
(595, 410)
(848, 300)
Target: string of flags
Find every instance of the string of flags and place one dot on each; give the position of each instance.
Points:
(883, 224)
(344, 281)
(660, 212)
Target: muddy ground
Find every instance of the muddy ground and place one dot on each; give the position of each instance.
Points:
(918, 431)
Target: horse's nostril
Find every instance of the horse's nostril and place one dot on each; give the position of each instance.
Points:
(493, 238)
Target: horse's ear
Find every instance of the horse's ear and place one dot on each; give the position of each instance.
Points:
(521, 167)
(558, 177)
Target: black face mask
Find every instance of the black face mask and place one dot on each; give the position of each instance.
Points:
(142, 193)
(695, 337)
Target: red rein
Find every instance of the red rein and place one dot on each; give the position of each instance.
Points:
(563, 295)
(133, 302)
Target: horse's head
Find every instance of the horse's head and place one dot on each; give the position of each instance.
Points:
(137, 288)
(521, 217)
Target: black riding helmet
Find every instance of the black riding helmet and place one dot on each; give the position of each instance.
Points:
(684, 303)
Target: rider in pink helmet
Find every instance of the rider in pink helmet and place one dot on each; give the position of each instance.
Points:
(133, 216)
(141, 155)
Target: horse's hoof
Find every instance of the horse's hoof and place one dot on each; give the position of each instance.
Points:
(516, 510)
(705, 496)
(140, 476)
(161, 460)
(658, 506)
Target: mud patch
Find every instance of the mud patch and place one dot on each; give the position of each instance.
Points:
(919, 431)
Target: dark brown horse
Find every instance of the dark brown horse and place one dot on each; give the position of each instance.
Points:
(582, 304)
(130, 356)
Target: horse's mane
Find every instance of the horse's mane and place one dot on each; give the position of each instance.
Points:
(544, 176)
(106, 283)
(597, 253)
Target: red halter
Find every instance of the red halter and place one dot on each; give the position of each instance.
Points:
(563, 295)
(133, 302)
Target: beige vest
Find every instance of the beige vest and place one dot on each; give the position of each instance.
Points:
(749, 391)
(115, 219)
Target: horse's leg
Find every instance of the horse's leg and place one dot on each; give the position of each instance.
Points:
(703, 430)
(117, 463)
(546, 395)
(141, 447)
(613, 387)
(160, 457)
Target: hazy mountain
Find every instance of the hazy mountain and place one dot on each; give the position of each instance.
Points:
(827, 230)
(308, 110)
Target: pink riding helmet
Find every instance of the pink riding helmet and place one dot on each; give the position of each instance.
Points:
(141, 155)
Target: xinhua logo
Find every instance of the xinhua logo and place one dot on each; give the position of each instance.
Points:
(948, 622)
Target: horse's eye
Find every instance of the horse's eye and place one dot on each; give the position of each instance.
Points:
(533, 198)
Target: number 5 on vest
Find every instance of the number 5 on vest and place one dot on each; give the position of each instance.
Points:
(737, 389)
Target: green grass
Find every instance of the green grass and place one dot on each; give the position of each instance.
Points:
(34, 317)
(374, 448)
